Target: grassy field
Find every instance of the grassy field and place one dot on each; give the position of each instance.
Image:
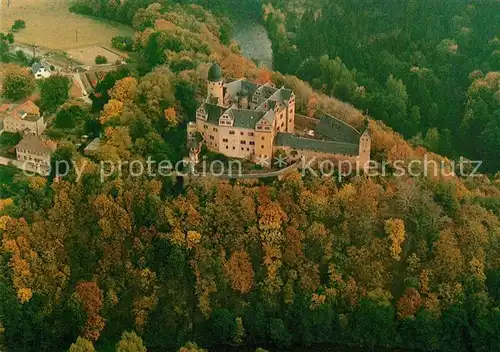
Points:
(49, 24)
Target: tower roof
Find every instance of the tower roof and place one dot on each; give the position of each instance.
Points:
(215, 73)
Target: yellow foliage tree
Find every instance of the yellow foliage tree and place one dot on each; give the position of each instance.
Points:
(240, 272)
(171, 116)
(124, 89)
(112, 109)
(395, 229)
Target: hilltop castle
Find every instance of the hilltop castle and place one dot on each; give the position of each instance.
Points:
(241, 119)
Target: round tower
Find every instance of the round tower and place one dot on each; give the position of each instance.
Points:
(215, 85)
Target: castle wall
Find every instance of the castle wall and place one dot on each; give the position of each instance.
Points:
(236, 142)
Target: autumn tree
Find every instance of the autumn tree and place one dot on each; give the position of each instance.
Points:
(112, 109)
(82, 345)
(130, 342)
(239, 269)
(395, 229)
(409, 303)
(124, 89)
(155, 92)
(191, 347)
(91, 298)
(18, 83)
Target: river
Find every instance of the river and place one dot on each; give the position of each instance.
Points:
(253, 39)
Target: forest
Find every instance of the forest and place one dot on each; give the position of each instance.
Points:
(429, 69)
(150, 263)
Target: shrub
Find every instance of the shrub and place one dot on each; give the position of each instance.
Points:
(18, 24)
(99, 60)
(125, 43)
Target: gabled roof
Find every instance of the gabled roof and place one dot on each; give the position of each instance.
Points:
(38, 65)
(240, 87)
(17, 111)
(214, 112)
(35, 144)
(245, 118)
(317, 145)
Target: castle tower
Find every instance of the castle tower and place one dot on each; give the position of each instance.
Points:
(364, 148)
(243, 99)
(215, 85)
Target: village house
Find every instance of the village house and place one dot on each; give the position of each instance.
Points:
(22, 118)
(40, 70)
(36, 150)
(241, 119)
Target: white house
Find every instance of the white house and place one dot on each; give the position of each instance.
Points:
(40, 70)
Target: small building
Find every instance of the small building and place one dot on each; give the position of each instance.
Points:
(22, 118)
(35, 149)
(40, 70)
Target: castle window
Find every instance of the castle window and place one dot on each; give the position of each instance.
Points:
(252, 143)
(243, 142)
(205, 126)
(262, 146)
(250, 134)
(242, 133)
(225, 140)
(282, 124)
(212, 137)
(263, 138)
(231, 132)
(234, 148)
(215, 129)
(243, 149)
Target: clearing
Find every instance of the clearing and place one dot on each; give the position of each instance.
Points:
(50, 25)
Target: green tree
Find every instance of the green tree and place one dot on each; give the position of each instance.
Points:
(223, 326)
(278, 333)
(54, 92)
(18, 24)
(68, 117)
(432, 139)
(100, 59)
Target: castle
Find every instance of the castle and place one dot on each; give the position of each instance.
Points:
(241, 119)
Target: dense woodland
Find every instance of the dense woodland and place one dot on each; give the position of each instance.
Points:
(130, 263)
(429, 69)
